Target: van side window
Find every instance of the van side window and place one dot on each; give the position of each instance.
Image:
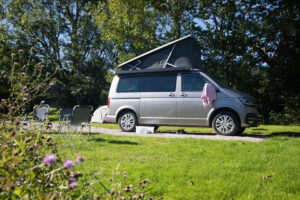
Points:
(192, 82)
(129, 84)
(159, 83)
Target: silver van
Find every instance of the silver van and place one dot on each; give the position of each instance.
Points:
(173, 98)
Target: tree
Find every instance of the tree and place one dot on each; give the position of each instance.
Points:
(66, 37)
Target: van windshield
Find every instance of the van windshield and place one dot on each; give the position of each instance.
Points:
(220, 83)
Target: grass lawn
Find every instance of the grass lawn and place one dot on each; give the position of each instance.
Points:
(196, 168)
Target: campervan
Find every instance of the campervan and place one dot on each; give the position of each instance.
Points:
(163, 87)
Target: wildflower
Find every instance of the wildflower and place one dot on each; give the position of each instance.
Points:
(57, 69)
(24, 99)
(20, 50)
(79, 159)
(23, 73)
(32, 48)
(25, 94)
(51, 84)
(12, 54)
(49, 159)
(68, 164)
(42, 66)
(42, 102)
(25, 87)
(112, 192)
(39, 87)
(125, 175)
(16, 63)
(73, 185)
(47, 73)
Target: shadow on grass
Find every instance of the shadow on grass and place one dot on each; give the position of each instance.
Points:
(288, 134)
(114, 141)
(259, 129)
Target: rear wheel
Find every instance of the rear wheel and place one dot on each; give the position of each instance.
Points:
(226, 123)
(127, 121)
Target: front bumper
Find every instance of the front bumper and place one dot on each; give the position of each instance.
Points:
(253, 119)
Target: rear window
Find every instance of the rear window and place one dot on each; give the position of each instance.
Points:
(159, 83)
(129, 84)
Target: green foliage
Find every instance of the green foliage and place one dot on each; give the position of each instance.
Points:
(65, 36)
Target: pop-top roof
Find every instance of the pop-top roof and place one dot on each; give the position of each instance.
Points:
(181, 53)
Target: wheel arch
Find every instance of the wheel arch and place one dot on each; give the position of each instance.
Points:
(215, 112)
(124, 110)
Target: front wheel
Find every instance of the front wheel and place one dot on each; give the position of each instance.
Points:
(127, 121)
(226, 123)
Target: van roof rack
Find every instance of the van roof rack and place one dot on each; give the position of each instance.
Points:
(155, 71)
(184, 53)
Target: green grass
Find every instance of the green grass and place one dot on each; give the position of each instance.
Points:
(219, 169)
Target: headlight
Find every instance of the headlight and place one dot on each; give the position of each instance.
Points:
(246, 102)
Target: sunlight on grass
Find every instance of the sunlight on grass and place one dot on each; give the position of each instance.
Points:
(195, 168)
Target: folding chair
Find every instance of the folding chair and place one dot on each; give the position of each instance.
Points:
(40, 115)
(81, 116)
(64, 116)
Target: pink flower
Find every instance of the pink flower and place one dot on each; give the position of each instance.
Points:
(73, 185)
(49, 159)
(23, 73)
(25, 87)
(51, 84)
(68, 164)
(24, 99)
(16, 63)
(42, 102)
(20, 50)
(12, 54)
(79, 159)
(39, 87)
(25, 94)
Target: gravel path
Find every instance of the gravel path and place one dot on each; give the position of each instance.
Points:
(107, 131)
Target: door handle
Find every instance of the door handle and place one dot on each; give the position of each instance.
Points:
(183, 95)
(171, 95)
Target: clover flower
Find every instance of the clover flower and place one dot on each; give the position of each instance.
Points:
(23, 73)
(73, 185)
(49, 159)
(12, 54)
(20, 50)
(24, 99)
(42, 102)
(68, 164)
(51, 84)
(16, 63)
(39, 87)
(25, 87)
(79, 159)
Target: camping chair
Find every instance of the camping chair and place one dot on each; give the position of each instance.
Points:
(40, 115)
(64, 116)
(81, 116)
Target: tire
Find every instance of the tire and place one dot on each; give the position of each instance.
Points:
(226, 123)
(127, 121)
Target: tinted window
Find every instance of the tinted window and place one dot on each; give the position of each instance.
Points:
(159, 83)
(129, 84)
(193, 82)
